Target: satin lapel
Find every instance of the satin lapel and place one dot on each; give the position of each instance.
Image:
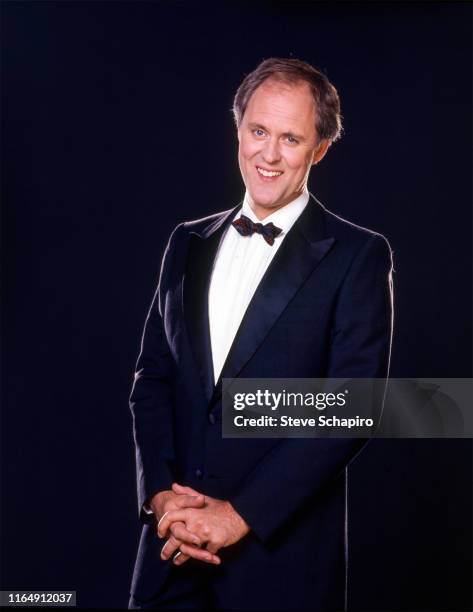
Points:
(203, 247)
(302, 250)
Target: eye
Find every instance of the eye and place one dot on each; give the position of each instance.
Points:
(291, 140)
(258, 132)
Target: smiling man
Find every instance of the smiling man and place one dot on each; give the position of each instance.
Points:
(277, 287)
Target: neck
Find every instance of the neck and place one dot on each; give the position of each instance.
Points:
(264, 211)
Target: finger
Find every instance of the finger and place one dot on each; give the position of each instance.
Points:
(199, 554)
(171, 517)
(189, 501)
(181, 490)
(170, 548)
(212, 547)
(180, 532)
(180, 558)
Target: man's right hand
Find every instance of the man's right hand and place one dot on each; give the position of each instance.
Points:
(166, 501)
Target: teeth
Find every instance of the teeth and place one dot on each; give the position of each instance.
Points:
(268, 174)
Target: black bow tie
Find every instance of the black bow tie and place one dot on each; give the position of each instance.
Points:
(246, 227)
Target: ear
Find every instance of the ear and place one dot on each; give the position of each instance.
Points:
(320, 151)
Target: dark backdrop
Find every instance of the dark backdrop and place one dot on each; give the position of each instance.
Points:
(117, 126)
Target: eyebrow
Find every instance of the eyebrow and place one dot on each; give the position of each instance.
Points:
(259, 126)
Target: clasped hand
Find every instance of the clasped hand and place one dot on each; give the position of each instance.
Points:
(195, 525)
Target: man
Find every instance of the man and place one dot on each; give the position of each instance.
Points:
(276, 288)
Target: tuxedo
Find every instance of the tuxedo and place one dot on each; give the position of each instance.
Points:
(322, 309)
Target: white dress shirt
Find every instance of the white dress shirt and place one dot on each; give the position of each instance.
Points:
(239, 266)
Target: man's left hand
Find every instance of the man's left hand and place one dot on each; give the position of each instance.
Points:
(217, 524)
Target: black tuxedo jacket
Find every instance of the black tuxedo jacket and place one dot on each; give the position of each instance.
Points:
(322, 309)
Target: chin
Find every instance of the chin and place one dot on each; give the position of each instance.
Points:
(266, 200)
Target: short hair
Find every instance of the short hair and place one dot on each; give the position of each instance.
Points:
(328, 123)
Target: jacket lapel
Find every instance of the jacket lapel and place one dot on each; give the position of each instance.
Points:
(302, 249)
(203, 247)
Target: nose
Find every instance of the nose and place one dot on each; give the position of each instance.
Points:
(271, 153)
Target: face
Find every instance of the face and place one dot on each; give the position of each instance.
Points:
(278, 144)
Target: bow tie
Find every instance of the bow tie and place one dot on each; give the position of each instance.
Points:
(246, 227)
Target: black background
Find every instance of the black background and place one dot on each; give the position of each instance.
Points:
(117, 126)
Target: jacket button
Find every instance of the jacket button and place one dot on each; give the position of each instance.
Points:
(212, 419)
(199, 473)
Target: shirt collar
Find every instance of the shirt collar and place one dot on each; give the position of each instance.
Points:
(284, 217)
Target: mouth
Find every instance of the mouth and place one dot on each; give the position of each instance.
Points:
(268, 175)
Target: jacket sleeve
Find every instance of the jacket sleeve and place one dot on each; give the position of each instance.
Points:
(296, 470)
(151, 400)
